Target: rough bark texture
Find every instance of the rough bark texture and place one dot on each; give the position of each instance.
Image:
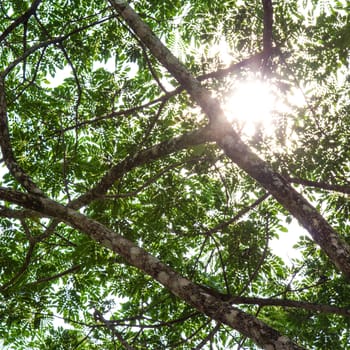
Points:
(219, 130)
(322, 233)
(193, 294)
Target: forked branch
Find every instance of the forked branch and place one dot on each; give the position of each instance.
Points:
(186, 290)
(240, 153)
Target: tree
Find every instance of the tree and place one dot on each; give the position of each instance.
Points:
(145, 222)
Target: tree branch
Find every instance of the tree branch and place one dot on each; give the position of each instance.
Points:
(53, 277)
(321, 308)
(209, 337)
(268, 23)
(320, 230)
(46, 43)
(234, 219)
(320, 184)
(130, 322)
(18, 214)
(218, 74)
(193, 294)
(155, 152)
(21, 19)
(99, 317)
(153, 179)
(223, 72)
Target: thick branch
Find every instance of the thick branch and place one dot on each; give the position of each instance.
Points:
(268, 22)
(323, 234)
(193, 294)
(321, 308)
(163, 54)
(160, 150)
(17, 214)
(321, 185)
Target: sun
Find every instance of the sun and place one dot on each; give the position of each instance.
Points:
(250, 106)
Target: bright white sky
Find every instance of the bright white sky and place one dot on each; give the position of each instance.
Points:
(251, 106)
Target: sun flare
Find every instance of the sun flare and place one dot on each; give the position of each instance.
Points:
(250, 106)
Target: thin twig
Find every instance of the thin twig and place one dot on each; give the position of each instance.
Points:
(99, 317)
(22, 19)
(239, 215)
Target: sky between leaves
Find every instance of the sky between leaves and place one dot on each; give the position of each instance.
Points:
(233, 103)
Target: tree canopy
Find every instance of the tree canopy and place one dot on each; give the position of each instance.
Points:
(135, 213)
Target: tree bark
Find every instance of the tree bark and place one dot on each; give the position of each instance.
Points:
(320, 230)
(193, 294)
